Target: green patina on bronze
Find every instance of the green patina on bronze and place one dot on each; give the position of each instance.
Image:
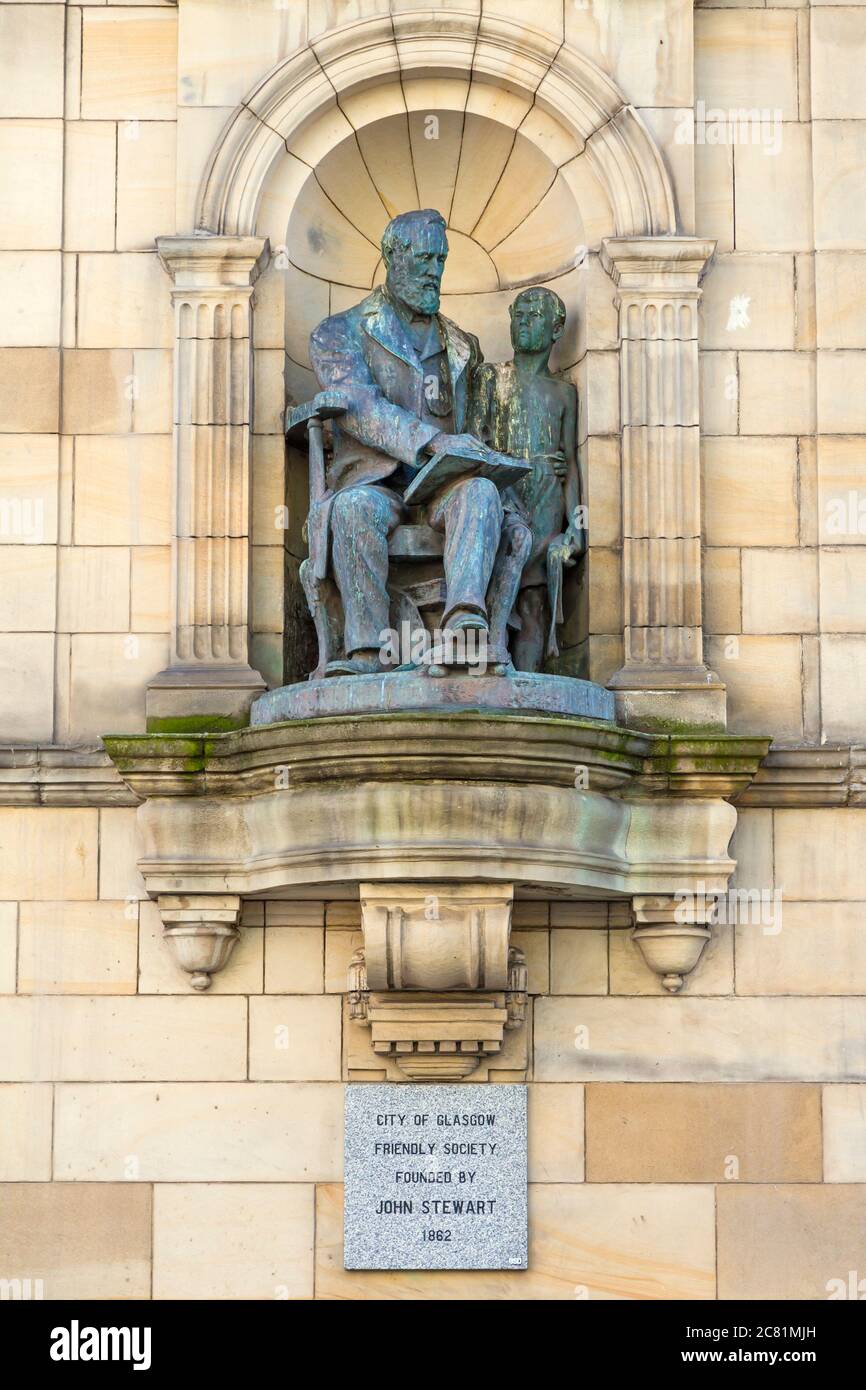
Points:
(522, 409)
(404, 390)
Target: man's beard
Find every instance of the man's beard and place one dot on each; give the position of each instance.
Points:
(422, 299)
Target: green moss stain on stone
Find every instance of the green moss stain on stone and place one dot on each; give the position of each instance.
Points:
(197, 724)
(678, 728)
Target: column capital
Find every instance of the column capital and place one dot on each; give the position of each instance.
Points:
(671, 263)
(205, 262)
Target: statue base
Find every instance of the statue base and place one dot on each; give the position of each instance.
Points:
(405, 691)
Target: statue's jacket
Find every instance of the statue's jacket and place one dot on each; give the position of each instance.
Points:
(367, 353)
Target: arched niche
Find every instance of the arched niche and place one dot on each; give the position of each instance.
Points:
(311, 100)
(545, 173)
(522, 205)
(515, 216)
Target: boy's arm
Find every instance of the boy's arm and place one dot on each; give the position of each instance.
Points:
(571, 486)
(573, 542)
(479, 413)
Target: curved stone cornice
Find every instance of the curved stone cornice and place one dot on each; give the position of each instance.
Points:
(619, 148)
(575, 806)
(792, 778)
(441, 746)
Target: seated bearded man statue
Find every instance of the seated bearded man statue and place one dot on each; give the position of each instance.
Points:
(404, 371)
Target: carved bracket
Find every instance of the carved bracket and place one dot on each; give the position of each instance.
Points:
(671, 933)
(200, 931)
(436, 980)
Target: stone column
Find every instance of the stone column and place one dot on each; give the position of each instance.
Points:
(209, 683)
(663, 681)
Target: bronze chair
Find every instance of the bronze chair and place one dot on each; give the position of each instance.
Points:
(416, 579)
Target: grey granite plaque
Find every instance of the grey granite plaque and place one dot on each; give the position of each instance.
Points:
(435, 1177)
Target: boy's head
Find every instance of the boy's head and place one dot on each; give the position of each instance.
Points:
(537, 319)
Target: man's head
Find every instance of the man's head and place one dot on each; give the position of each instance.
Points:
(414, 248)
(537, 320)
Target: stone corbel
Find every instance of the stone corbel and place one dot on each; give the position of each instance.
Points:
(437, 980)
(209, 683)
(200, 931)
(671, 933)
(664, 683)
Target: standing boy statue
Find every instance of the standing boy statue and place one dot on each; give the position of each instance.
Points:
(520, 408)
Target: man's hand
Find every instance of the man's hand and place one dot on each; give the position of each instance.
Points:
(458, 444)
(568, 547)
(575, 540)
(555, 461)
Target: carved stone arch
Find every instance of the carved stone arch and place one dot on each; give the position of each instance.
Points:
(563, 81)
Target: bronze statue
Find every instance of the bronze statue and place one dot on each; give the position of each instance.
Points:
(434, 454)
(522, 409)
(400, 374)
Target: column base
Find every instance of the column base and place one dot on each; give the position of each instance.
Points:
(670, 699)
(202, 698)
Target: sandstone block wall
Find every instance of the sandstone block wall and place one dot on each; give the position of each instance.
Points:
(158, 1143)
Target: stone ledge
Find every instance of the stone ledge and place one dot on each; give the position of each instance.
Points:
(438, 745)
(808, 777)
(575, 806)
(50, 775)
(54, 775)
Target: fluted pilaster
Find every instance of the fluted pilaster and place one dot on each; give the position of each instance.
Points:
(210, 677)
(657, 281)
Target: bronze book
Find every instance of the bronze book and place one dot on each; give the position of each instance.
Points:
(446, 467)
